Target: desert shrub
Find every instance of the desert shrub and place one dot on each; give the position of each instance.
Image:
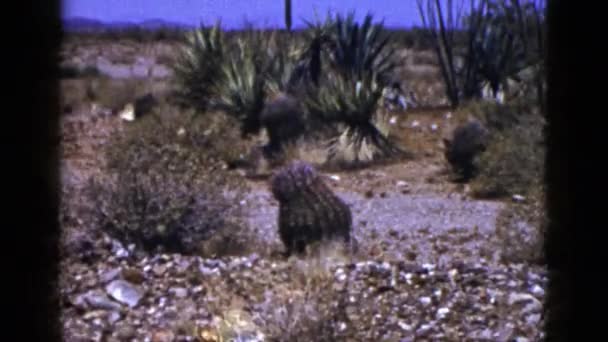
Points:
(513, 162)
(114, 93)
(521, 229)
(165, 189)
(500, 117)
(314, 307)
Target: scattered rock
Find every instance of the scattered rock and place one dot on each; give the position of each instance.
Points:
(163, 336)
(178, 292)
(110, 275)
(95, 299)
(114, 317)
(124, 292)
(126, 332)
(518, 198)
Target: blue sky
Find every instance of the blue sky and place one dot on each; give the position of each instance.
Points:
(396, 13)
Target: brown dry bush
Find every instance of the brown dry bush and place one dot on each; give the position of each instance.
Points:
(513, 162)
(166, 189)
(312, 308)
(521, 229)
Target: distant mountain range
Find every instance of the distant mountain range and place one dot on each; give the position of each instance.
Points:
(79, 24)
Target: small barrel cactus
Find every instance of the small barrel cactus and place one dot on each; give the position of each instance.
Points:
(309, 211)
(467, 142)
(283, 119)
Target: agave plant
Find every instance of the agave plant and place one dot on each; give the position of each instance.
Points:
(242, 90)
(197, 69)
(360, 50)
(352, 104)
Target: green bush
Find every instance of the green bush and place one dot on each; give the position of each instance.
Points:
(166, 189)
(513, 162)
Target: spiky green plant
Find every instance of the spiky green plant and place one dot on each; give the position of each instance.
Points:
(197, 69)
(360, 50)
(281, 70)
(499, 43)
(260, 66)
(352, 104)
(241, 92)
(317, 36)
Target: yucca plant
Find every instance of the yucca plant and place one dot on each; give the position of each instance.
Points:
(351, 104)
(261, 67)
(242, 90)
(360, 50)
(501, 36)
(318, 37)
(284, 69)
(197, 69)
(498, 46)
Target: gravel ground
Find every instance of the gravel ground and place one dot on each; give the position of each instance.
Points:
(169, 298)
(423, 228)
(422, 273)
(427, 267)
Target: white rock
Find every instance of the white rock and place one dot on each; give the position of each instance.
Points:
(110, 275)
(113, 317)
(428, 267)
(402, 183)
(516, 298)
(128, 113)
(533, 319)
(393, 120)
(415, 124)
(538, 290)
(425, 300)
(434, 127)
(179, 292)
(335, 177)
(124, 292)
(442, 312)
(518, 198)
(404, 326)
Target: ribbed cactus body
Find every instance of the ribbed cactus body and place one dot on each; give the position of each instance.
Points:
(308, 209)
